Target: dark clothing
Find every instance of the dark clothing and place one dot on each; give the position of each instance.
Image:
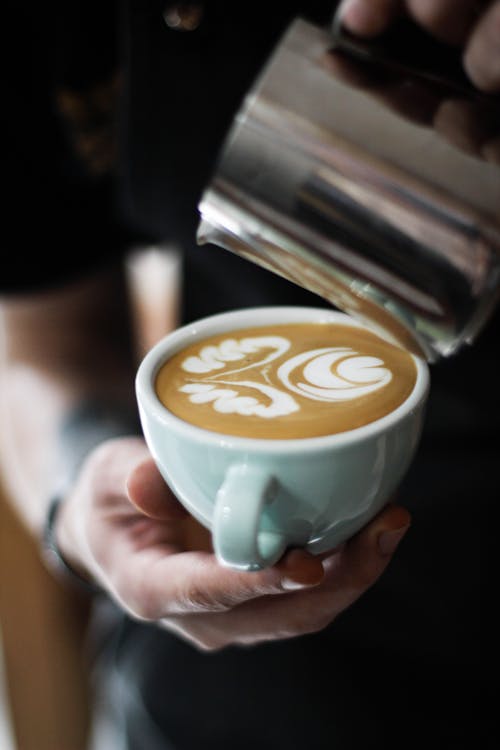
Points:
(113, 122)
(408, 666)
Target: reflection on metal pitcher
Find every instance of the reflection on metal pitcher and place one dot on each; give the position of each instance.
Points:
(377, 190)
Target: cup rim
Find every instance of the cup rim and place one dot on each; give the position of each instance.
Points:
(253, 317)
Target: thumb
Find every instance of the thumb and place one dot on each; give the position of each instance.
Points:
(392, 525)
(365, 557)
(149, 493)
(369, 552)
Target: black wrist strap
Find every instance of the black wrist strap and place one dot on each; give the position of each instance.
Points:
(52, 554)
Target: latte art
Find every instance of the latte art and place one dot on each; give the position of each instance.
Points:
(354, 376)
(214, 357)
(277, 382)
(335, 374)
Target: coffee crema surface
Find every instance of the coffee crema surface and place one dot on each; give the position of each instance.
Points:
(286, 381)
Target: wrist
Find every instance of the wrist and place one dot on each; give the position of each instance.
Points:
(59, 548)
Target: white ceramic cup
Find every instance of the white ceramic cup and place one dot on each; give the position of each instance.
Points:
(260, 496)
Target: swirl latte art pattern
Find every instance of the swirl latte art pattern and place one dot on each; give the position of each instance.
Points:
(277, 382)
(335, 374)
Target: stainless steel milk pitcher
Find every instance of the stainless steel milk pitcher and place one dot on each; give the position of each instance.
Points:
(333, 176)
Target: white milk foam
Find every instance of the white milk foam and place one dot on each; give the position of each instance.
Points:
(332, 374)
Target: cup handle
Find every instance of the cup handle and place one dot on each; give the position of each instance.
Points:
(238, 539)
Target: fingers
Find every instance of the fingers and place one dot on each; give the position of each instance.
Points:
(157, 586)
(149, 493)
(299, 570)
(448, 20)
(482, 56)
(474, 24)
(349, 573)
(213, 606)
(414, 101)
(368, 553)
(365, 557)
(211, 588)
(469, 126)
(369, 17)
(145, 565)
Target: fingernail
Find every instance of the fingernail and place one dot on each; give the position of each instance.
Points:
(304, 579)
(290, 585)
(389, 540)
(300, 570)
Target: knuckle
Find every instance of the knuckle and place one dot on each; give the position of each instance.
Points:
(106, 465)
(139, 600)
(102, 456)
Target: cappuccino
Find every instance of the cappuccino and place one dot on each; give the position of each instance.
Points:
(287, 381)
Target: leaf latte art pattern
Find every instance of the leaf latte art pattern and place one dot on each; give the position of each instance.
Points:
(229, 401)
(286, 381)
(215, 357)
(328, 374)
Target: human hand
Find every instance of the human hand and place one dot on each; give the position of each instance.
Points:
(122, 525)
(471, 24)
(469, 124)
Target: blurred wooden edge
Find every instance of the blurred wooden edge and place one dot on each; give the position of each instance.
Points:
(44, 623)
(154, 279)
(43, 629)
